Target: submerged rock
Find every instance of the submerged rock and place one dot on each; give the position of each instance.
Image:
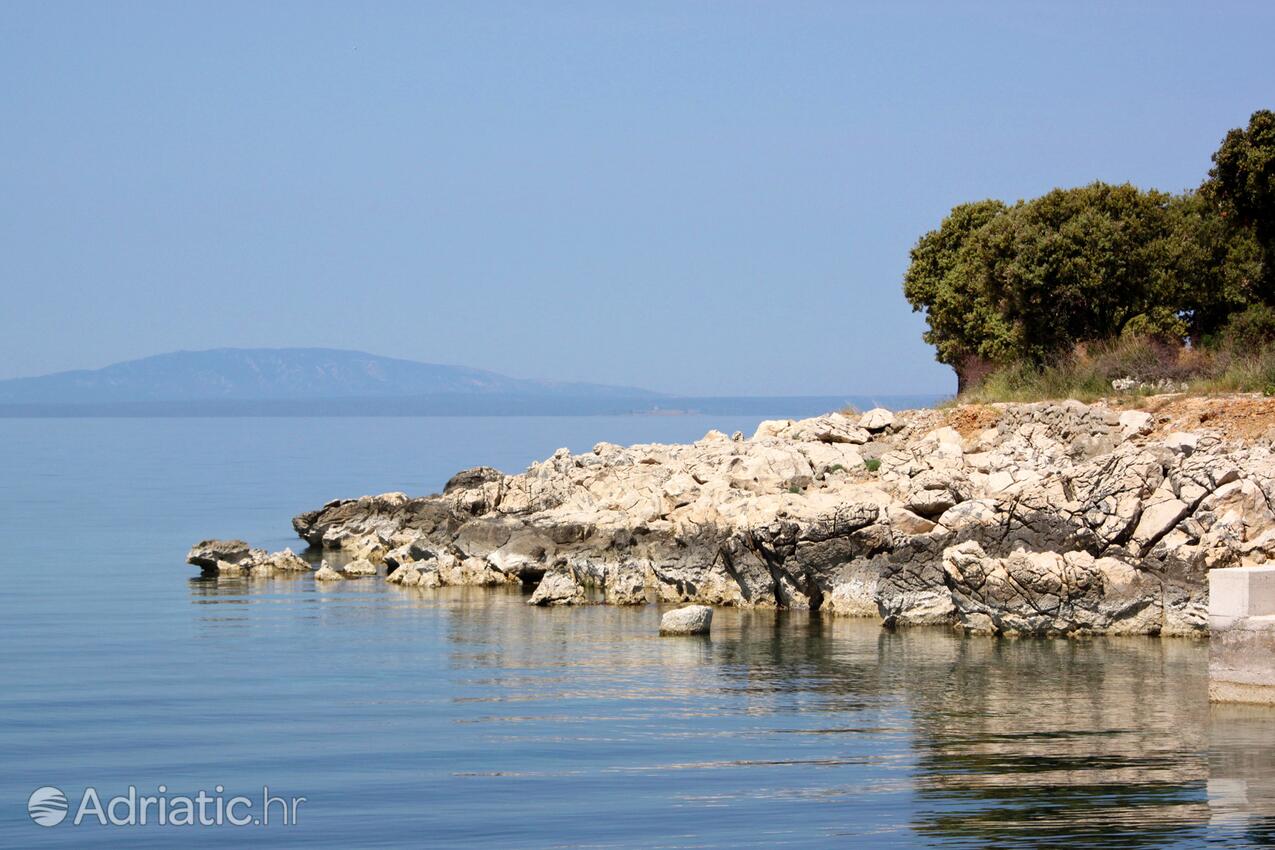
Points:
(691, 620)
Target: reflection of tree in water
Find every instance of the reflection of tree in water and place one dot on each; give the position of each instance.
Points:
(1056, 743)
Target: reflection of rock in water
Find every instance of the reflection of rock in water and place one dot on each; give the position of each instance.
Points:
(1242, 773)
(980, 742)
(1063, 743)
(1017, 743)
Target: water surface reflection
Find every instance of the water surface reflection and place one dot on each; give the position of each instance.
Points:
(811, 729)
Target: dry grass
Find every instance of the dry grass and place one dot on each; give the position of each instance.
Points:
(1087, 374)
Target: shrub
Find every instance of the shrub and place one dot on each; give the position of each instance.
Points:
(1249, 330)
(1087, 373)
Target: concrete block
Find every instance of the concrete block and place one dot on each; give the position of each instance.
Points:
(1242, 661)
(1242, 592)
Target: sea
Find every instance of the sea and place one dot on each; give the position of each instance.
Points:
(144, 706)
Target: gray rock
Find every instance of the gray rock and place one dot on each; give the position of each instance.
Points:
(1157, 520)
(559, 587)
(1134, 423)
(625, 585)
(406, 574)
(470, 479)
(877, 419)
(206, 553)
(359, 568)
(1051, 593)
(691, 620)
(236, 558)
(326, 573)
(227, 569)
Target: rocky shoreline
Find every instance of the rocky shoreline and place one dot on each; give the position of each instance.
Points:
(1051, 518)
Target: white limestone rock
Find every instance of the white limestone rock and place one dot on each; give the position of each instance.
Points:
(877, 419)
(326, 573)
(690, 620)
(1135, 423)
(359, 568)
(559, 587)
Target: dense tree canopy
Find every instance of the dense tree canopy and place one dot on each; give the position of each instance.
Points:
(963, 319)
(1027, 283)
(1242, 181)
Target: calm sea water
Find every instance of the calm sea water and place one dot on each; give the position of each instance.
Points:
(463, 717)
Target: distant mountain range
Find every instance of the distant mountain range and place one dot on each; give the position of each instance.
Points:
(258, 374)
(331, 382)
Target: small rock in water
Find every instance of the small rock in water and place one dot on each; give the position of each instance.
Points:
(359, 568)
(691, 620)
(207, 553)
(326, 573)
(407, 573)
(287, 561)
(558, 588)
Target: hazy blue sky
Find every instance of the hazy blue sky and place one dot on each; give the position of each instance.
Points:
(694, 197)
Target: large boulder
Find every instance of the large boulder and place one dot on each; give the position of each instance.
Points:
(691, 620)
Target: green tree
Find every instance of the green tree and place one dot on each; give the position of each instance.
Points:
(1219, 265)
(1242, 183)
(1026, 284)
(1083, 264)
(964, 325)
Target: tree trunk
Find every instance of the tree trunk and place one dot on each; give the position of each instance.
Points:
(971, 371)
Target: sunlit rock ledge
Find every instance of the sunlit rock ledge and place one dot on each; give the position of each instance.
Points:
(1051, 518)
